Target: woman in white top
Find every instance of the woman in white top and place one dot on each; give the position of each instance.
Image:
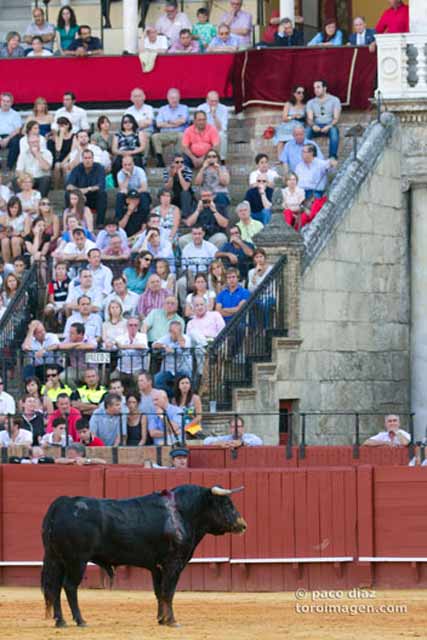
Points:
(163, 271)
(200, 288)
(114, 325)
(17, 435)
(261, 269)
(38, 50)
(28, 196)
(12, 234)
(292, 198)
(32, 128)
(263, 170)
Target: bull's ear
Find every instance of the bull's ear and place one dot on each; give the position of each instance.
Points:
(220, 491)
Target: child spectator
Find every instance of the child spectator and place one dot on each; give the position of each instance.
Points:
(57, 437)
(203, 30)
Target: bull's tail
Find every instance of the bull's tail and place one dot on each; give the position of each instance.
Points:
(52, 574)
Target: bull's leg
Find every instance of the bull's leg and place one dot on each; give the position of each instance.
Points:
(73, 577)
(157, 584)
(57, 609)
(169, 581)
(52, 579)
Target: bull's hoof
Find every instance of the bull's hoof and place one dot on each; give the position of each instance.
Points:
(59, 624)
(81, 623)
(169, 623)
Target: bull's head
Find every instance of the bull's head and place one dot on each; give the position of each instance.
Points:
(224, 517)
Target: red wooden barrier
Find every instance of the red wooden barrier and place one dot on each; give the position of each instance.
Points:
(207, 457)
(327, 457)
(260, 457)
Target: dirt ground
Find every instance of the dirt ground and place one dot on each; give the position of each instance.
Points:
(130, 615)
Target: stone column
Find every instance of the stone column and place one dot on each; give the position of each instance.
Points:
(418, 16)
(419, 308)
(130, 26)
(287, 9)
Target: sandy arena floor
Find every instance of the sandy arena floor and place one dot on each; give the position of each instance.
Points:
(129, 615)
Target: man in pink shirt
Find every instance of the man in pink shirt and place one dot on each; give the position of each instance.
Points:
(185, 44)
(205, 325)
(240, 23)
(395, 19)
(65, 410)
(199, 139)
(172, 22)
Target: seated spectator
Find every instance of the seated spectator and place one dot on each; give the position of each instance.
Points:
(132, 181)
(263, 169)
(109, 421)
(128, 299)
(143, 114)
(102, 275)
(260, 271)
(163, 426)
(395, 19)
(86, 437)
(40, 114)
(81, 143)
(292, 198)
(233, 297)
(185, 43)
(330, 36)
(172, 21)
(240, 23)
(312, 173)
(361, 36)
(76, 455)
(58, 436)
(260, 200)
(103, 239)
(85, 44)
(177, 179)
(38, 50)
(236, 438)
(12, 230)
(153, 223)
(136, 423)
(137, 275)
(203, 30)
(189, 404)
(156, 323)
(40, 28)
(236, 252)
(129, 142)
(18, 267)
(87, 397)
(158, 249)
(32, 420)
(33, 387)
(147, 393)
(171, 121)
(10, 288)
(323, 114)
(114, 324)
(78, 248)
(12, 48)
(84, 315)
(7, 403)
(36, 162)
(153, 297)
(53, 386)
(164, 272)
(61, 147)
(247, 225)
(132, 345)
(57, 292)
(392, 436)
(5, 195)
(84, 286)
(291, 155)
(10, 127)
(207, 216)
(51, 220)
(214, 177)
(169, 214)
(200, 290)
(196, 256)
(65, 411)
(217, 115)
(293, 114)
(103, 136)
(288, 36)
(76, 115)
(66, 28)
(17, 435)
(205, 325)
(89, 177)
(38, 343)
(224, 40)
(78, 345)
(37, 242)
(153, 41)
(116, 250)
(217, 276)
(177, 361)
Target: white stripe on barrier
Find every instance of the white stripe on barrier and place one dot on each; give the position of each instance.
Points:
(289, 560)
(390, 559)
(39, 563)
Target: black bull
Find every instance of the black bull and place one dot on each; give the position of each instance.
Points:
(158, 532)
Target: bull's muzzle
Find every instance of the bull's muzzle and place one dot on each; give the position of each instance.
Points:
(240, 526)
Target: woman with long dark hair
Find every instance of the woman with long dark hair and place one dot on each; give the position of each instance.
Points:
(330, 36)
(103, 136)
(129, 141)
(66, 27)
(137, 433)
(293, 114)
(189, 407)
(137, 275)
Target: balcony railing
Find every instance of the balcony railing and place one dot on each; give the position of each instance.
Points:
(402, 65)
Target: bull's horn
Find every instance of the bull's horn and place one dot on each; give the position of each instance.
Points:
(220, 491)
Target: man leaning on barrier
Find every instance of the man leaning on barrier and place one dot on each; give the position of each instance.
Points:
(392, 436)
(236, 438)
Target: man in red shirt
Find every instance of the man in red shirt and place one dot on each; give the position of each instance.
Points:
(199, 139)
(86, 436)
(395, 19)
(65, 410)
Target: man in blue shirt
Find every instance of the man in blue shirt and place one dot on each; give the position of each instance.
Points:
(109, 422)
(291, 155)
(164, 425)
(233, 297)
(85, 45)
(89, 178)
(237, 252)
(178, 359)
(172, 120)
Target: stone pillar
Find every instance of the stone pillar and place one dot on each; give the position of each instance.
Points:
(418, 16)
(130, 26)
(287, 9)
(419, 308)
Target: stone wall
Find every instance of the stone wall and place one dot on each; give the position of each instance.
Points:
(353, 348)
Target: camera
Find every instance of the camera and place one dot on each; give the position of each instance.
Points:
(206, 202)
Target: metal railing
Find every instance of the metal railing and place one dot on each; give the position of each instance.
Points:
(19, 311)
(247, 338)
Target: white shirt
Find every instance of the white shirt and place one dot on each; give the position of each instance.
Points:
(98, 154)
(24, 146)
(72, 250)
(360, 38)
(146, 112)
(24, 437)
(28, 163)
(271, 175)
(101, 278)
(7, 404)
(197, 258)
(161, 44)
(221, 114)
(131, 360)
(92, 325)
(384, 437)
(77, 116)
(129, 304)
(48, 440)
(45, 54)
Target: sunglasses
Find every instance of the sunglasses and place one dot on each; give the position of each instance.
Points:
(212, 156)
(262, 181)
(147, 259)
(44, 202)
(179, 161)
(51, 375)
